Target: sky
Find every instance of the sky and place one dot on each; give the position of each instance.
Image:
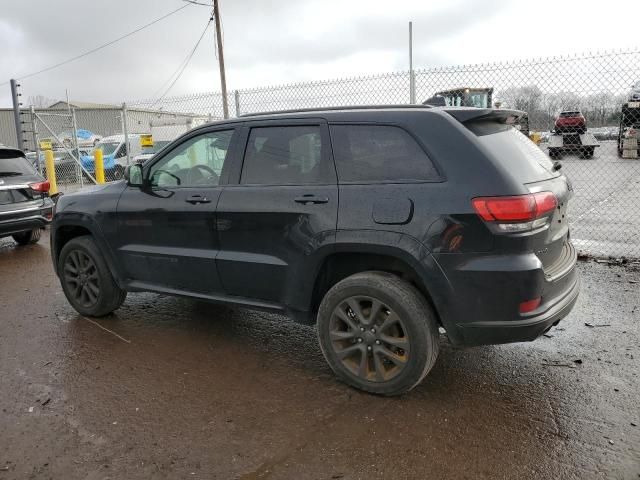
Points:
(268, 42)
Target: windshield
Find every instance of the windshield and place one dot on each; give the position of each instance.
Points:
(466, 98)
(478, 99)
(107, 147)
(13, 165)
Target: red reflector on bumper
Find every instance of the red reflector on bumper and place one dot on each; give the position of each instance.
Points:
(530, 305)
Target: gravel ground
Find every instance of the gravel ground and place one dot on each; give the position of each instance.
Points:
(170, 388)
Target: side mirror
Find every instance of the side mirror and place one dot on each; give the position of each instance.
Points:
(133, 175)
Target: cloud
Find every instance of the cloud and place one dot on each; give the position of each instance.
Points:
(270, 42)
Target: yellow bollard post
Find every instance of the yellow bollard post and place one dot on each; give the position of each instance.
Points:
(99, 165)
(535, 137)
(51, 172)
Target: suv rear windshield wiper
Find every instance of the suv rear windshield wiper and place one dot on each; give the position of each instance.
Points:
(10, 174)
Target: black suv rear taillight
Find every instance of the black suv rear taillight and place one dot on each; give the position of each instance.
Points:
(517, 213)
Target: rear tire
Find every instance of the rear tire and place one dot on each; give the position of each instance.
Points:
(86, 279)
(378, 333)
(27, 238)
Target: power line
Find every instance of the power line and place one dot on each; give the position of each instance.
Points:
(178, 71)
(182, 67)
(193, 2)
(93, 50)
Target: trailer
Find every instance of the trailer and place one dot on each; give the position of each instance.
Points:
(583, 144)
(629, 131)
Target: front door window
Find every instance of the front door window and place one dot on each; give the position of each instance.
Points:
(196, 162)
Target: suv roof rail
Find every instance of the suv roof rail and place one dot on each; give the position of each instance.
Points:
(344, 107)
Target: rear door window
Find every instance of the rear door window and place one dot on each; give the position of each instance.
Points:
(379, 153)
(284, 155)
(515, 152)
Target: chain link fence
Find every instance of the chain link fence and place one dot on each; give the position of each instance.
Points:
(601, 162)
(605, 212)
(72, 133)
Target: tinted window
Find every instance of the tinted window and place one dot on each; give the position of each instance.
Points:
(378, 153)
(197, 161)
(519, 155)
(283, 155)
(13, 165)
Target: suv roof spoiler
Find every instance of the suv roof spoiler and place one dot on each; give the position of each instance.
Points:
(472, 114)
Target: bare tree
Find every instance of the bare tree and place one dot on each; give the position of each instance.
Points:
(525, 98)
(597, 108)
(568, 101)
(550, 104)
(528, 99)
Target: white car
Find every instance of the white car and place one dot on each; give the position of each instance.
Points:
(634, 95)
(149, 152)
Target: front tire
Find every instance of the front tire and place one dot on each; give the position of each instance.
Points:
(27, 238)
(378, 333)
(86, 279)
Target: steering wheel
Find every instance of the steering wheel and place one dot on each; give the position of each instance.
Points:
(208, 170)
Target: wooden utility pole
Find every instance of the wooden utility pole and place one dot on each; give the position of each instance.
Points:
(223, 77)
(412, 76)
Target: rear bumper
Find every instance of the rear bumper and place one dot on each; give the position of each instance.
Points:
(481, 306)
(24, 220)
(526, 330)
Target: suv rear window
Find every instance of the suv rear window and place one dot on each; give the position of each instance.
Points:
(14, 165)
(569, 114)
(379, 153)
(514, 151)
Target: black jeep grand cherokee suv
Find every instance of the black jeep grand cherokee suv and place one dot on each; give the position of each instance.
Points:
(381, 224)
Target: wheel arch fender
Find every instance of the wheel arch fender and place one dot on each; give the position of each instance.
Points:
(365, 250)
(69, 225)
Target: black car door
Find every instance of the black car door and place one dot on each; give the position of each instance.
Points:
(167, 229)
(274, 222)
